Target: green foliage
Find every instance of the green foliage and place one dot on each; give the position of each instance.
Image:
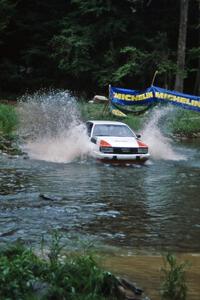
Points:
(25, 55)
(85, 45)
(76, 276)
(101, 112)
(55, 248)
(135, 122)
(8, 119)
(72, 49)
(93, 111)
(135, 58)
(184, 122)
(193, 56)
(23, 275)
(174, 285)
(90, 52)
(19, 270)
(6, 12)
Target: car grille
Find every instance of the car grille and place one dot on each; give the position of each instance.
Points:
(124, 150)
(119, 150)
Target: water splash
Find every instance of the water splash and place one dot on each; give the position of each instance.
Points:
(160, 145)
(51, 127)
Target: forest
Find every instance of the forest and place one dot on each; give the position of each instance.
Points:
(83, 46)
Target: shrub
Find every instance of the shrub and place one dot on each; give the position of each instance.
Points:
(101, 112)
(174, 286)
(8, 119)
(185, 122)
(23, 275)
(19, 270)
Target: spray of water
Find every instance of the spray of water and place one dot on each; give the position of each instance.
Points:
(51, 127)
(160, 145)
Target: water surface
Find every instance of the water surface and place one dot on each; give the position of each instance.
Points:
(152, 208)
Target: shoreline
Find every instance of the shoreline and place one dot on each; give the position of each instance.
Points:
(145, 270)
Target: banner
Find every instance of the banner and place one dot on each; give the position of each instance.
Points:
(116, 112)
(152, 95)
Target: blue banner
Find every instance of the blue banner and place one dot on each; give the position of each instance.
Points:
(152, 95)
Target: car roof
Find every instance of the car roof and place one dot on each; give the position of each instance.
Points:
(105, 122)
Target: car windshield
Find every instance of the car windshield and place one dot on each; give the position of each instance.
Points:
(112, 130)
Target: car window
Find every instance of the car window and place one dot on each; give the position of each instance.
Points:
(112, 130)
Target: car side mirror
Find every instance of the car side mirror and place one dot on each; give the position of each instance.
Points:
(138, 136)
(93, 140)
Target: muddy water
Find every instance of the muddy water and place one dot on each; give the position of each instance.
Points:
(145, 271)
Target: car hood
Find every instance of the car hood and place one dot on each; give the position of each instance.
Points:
(119, 141)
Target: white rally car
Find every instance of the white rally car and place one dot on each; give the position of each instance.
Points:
(115, 142)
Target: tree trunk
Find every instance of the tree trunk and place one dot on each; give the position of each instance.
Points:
(181, 45)
(197, 81)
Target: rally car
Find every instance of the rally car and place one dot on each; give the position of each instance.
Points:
(115, 142)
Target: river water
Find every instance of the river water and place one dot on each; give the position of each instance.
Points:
(153, 208)
(129, 210)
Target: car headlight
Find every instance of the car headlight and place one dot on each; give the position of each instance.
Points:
(142, 150)
(106, 149)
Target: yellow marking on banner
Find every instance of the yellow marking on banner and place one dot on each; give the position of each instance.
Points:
(118, 113)
(160, 95)
(174, 98)
(195, 103)
(129, 97)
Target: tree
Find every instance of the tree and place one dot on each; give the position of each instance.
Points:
(6, 12)
(86, 45)
(87, 49)
(180, 74)
(197, 82)
(25, 52)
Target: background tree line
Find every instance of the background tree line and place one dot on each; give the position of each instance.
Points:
(86, 45)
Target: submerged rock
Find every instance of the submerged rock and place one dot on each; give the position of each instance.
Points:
(8, 233)
(130, 285)
(50, 197)
(127, 290)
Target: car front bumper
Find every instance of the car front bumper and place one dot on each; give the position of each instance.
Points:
(121, 157)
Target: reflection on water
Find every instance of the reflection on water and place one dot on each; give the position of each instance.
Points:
(149, 208)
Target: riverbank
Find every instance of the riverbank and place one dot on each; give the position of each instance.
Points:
(8, 127)
(54, 275)
(179, 123)
(146, 269)
(9, 145)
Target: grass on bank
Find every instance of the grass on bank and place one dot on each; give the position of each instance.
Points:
(185, 122)
(55, 275)
(25, 276)
(101, 112)
(174, 285)
(180, 121)
(8, 119)
(8, 127)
